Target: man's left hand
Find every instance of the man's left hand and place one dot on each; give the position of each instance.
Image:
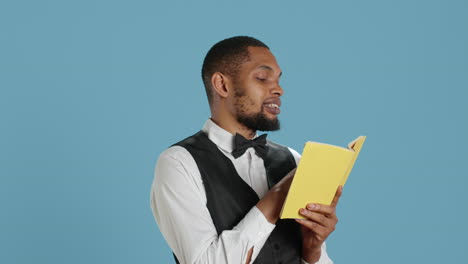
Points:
(320, 222)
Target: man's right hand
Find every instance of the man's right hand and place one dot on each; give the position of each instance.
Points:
(270, 205)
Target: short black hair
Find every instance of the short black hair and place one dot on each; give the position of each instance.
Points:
(226, 57)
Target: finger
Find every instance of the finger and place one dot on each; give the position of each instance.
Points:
(320, 232)
(338, 194)
(319, 218)
(321, 208)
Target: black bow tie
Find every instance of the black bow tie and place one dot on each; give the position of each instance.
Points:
(241, 144)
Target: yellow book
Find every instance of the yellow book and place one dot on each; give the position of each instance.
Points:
(321, 170)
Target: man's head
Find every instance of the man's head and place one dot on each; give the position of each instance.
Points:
(226, 57)
(241, 78)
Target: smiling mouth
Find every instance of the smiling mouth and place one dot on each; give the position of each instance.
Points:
(272, 108)
(272, 105)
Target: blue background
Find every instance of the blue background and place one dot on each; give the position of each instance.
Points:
(93, 91)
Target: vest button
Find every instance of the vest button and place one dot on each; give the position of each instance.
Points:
(276, 247)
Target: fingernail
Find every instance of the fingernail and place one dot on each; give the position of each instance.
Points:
(302, 210)
(311, 206)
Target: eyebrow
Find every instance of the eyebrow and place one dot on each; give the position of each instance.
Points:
(268, 68)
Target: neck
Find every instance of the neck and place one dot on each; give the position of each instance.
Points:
(233, 127)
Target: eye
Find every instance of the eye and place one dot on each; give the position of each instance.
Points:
(262, 79)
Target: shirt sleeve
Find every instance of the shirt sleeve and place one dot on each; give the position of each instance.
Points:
(178, 201)
(324, 259)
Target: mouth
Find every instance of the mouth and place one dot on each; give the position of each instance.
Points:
(273, 107)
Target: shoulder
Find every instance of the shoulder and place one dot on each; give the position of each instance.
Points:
(174, 165)
(293, 152)
(174, 153)
(178, 154)
(194, 139)
(177, 171)
(175, 156)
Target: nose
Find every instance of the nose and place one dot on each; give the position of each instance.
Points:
(277, 90)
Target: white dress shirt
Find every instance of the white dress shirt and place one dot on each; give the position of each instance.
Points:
(178, 201)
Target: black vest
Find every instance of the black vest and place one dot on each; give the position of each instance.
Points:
(229, 198)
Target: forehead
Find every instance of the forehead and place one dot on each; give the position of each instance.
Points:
(261, 58)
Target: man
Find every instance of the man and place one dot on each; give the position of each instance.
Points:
(217, 195)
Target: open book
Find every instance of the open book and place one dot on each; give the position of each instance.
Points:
(321, 170)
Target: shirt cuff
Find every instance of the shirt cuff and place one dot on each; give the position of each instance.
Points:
(255, 227)
(324, 259)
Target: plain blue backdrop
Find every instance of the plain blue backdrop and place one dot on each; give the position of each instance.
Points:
(93, 91)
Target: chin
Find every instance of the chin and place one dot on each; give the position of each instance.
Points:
(260, 122)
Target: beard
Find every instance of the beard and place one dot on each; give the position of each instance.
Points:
(255, 121)
(258, 121)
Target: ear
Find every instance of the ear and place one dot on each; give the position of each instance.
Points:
(220, 84)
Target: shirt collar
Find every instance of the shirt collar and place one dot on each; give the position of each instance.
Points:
(222, 138)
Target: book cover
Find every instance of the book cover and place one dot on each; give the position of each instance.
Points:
(321, 170)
